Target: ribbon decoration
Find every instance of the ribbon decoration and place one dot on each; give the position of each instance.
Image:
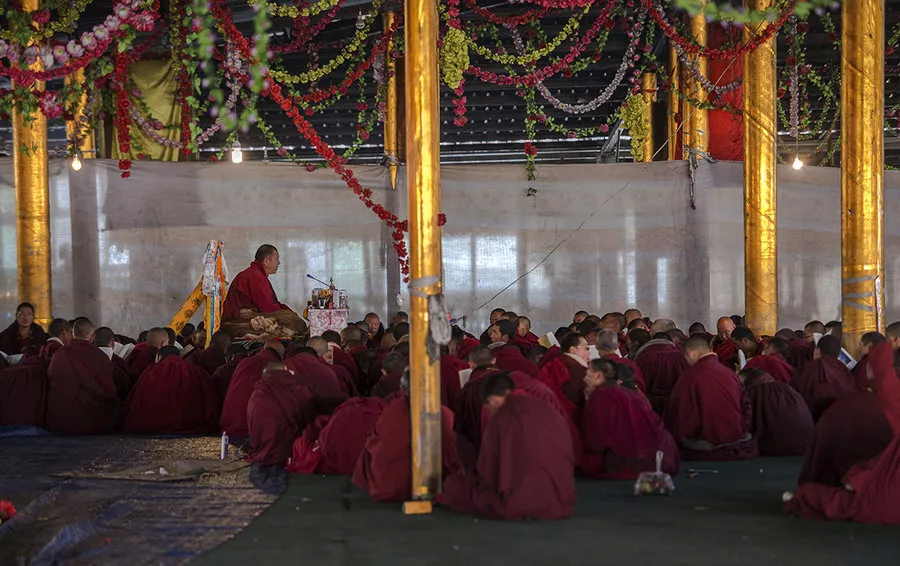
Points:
(210, 289)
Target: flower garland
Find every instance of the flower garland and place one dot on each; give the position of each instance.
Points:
(523, 58)
(690, 47)
(37, 25)
(530, 148)
(293, 12)
(355, 44)
(634, 119)
(454, 57)
(7, 510)
(123, 114)
(694, 69)
(548, 71)
(628, 61)
(518, 20)
(304, 33)
(459, 105)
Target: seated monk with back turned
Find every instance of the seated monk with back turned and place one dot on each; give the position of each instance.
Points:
(526, 465)
(251, 295)
(706, 413)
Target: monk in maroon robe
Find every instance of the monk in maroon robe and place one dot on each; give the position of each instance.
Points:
(246, 374)
(213, 357)
(23, 334)
(706, 413)
(837, 447)
(23, 393)
(859, 372)
(144, 354)
(278, 410)
(223, 375)
(60, 334)
(608, 347)
(824, 380)
(525, 466)
(621, 432)
(81, 392)
(565, 375)
(251, 295)
(871, 490)
(450, 384)
(327, 390)
(773, 361)
(346, 361)
(780, 421)
(383, 468)
(662, 363)
(722, 345)
(332, 443)
(392, 367)
(173, 397)
(510, 358)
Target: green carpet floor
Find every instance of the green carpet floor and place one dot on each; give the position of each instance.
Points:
(733, 517)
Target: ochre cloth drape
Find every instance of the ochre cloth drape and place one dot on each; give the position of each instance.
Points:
(155, 79)
(726, 130)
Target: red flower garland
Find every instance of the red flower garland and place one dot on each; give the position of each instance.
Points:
(693, 48)
(519, 20)
(123, 111)
(459, 103)
(274, 93)
(303, 32)
(548, 71)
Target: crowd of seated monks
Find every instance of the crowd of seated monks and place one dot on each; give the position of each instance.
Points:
(519, 420)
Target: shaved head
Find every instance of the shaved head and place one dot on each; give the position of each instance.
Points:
(319, 344)
(698, 344)
(83, 329)
(158, 337)
(632, 314)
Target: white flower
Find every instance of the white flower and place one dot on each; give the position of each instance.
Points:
(74, 49)
(31, 55)
(102, 33)
(60, 54)
(3, 49)
(88, 40)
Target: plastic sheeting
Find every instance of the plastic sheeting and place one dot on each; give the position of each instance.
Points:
(126, 252)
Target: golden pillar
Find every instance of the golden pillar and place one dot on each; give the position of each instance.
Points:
(648, 91)
(32, 202)
(423, 165)
(760, 196)
(673, 105)
(862, 169)
(696, 131)
(83, 137)
(390, 110)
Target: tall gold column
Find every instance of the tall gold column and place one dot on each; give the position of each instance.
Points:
(760, 196)
(674, 105)
(32, 203)
(648, 91)
(390, 110)
(74, 129)
(696, 119)
(423, 164)
(862, 169)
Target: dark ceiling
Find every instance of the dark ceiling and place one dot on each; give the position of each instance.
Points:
(495, 128)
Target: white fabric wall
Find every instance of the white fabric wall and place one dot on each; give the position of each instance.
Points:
(126, 252)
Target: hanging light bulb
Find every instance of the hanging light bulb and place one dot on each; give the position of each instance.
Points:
(798, 163)
(266, 155)
(236, 155)
(361, 20)
(76, 163)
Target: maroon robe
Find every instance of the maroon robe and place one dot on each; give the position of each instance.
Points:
(526, 468)
(875, 495)
(11, 343)
(638, 374)
(23, 394)
(250, 289)
(622, 435)
(141, 357)
(234, 406)
(780, 423)
(383, 468)
(222, 376)
(822, 382)
(801, 353)
(707, 414)
(387, 385)
(81, 392)
(332, 444)
(774, 365)
(51, 347)
(173, 397)
(346, 361)
(122, 376)
(662, 363)
(565, 377)
(343, 376)
(510, 358)
(727, 352)
(320, 379)
(860, 378)
(209, 359)
(465, 348)
(551, 354)
(278, 410)
(837, 447)
(450, 368)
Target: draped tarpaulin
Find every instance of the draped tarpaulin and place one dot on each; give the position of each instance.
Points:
(155, 79)
(125, 250)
